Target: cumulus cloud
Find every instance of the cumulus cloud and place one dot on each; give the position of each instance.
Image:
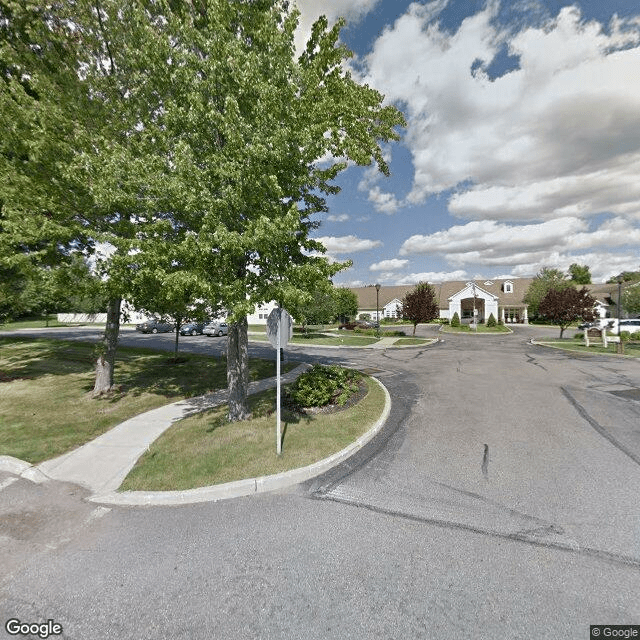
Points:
(347, 244)
(432, 276)
(553, 243)
(342, 217)
(556, 136)
(389, 265)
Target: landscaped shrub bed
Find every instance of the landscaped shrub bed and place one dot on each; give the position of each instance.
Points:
(323, 385)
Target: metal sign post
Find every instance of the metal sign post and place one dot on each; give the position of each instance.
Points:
(279, 336)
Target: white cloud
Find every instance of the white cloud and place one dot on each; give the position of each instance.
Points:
(383, 202)
(488, 236)
(389, 265)
(433, 276)
(347, 244)
(557, 136)
(342, 217)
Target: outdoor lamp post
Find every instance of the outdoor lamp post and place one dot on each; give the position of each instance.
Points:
(619, 301)
(377, 312)
(619, 279)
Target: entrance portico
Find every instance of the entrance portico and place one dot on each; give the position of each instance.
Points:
(473, 297)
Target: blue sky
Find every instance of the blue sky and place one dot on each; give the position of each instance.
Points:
(522, 148)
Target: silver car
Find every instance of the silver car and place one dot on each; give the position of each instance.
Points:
(216, 329)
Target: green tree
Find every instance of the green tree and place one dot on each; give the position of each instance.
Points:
(345, 304)
(566, 305)
(579, 274)
(199, 119)
(546, 280)
(239, 132)
(627, 276)
(455, 321)
(631, 300)
(420, 305)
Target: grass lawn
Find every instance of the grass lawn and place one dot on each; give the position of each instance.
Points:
(203, 450)
(411, 341)
(46, 408)
(482, 328)
(320, 340)
(631, 349)
(32, 323)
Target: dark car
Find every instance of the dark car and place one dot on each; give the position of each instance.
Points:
(192, 328)
(216, 329)
(155, 326)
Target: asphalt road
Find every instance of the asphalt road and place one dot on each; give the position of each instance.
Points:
(500, 501)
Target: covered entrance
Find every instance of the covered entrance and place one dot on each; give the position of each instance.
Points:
(473, 297)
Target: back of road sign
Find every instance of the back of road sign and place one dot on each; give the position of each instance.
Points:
(286, 331)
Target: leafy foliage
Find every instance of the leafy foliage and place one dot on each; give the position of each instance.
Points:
(579, 274)
(546, 280)
(631, 300)
(627, 276)
(491, 322)
(323, 385)
(420, 305)
(455, 321)
(564, 306)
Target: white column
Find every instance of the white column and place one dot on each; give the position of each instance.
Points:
(526, 317)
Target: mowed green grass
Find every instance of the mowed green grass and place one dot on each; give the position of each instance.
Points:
(631, 349)
(203, 450)
(46, 407)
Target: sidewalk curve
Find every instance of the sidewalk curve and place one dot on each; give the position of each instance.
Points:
(102, 464)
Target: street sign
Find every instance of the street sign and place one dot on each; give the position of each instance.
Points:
(279, 331)
(282, 317)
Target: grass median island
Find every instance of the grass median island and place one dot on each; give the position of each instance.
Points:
(482, 328)
(631, 349)
(203, 450)
(46, 408)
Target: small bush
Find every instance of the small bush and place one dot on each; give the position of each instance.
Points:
(625, 336)
(491, 322)
(579, 335)
(322, 385)
(455, 321)
(635, 335)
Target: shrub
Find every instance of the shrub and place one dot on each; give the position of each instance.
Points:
(625, 336)
(491, 322)
(579, 335)
(322, 385)
(455, 321)
(635, 335)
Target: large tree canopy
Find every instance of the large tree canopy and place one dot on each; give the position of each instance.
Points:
(546, 279)
(564, 306)
(203, 129)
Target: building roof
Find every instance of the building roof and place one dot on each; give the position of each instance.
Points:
(444, 290)
(607, 293)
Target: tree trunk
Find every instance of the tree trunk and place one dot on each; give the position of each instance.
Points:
(414, 328)
(238, 370)
(107, 357)
(561, 332)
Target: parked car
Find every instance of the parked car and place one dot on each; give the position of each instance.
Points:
(631, 325)
(216, 328)
(155, 326)
(192, 328)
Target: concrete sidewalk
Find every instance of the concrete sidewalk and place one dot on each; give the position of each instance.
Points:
(102, 464)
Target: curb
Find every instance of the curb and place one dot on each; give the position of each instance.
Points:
(249, 486)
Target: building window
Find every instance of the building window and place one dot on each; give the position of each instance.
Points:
(508, 287)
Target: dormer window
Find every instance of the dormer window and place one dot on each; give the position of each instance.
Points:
(488, 283)
(508, 287)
